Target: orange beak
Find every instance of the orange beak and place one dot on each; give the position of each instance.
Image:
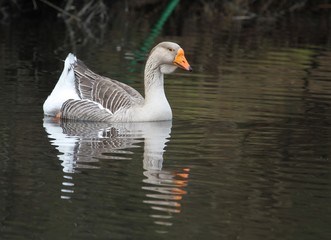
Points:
(181, 61)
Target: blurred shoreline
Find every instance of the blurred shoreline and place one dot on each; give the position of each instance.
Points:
(87, 20)
(104, 10)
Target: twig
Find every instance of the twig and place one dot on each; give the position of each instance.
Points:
(34, 4)
(60, 10)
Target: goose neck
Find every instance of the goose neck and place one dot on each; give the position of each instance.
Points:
(154, 80)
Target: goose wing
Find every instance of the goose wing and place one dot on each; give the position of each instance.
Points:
(110, 94)
(85, 110)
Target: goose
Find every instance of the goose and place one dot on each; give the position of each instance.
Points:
(81, 94)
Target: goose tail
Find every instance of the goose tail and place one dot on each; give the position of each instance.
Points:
(71, 59)
(64, 89)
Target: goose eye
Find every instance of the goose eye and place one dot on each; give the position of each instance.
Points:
(171, 49)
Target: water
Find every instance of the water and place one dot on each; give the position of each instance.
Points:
(247, 155)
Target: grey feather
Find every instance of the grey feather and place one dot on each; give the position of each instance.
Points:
(93, 89)
(85, 110)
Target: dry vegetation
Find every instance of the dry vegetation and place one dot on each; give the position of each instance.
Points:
(99, 10)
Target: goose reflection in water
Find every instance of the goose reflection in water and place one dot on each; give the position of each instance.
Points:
(83, 144)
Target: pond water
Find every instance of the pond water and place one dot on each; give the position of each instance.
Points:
(247, 155)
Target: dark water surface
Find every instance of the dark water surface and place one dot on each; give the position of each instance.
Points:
(247, 155)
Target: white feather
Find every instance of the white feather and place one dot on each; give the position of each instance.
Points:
(63, 90)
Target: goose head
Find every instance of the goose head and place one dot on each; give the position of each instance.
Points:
(168, 56)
